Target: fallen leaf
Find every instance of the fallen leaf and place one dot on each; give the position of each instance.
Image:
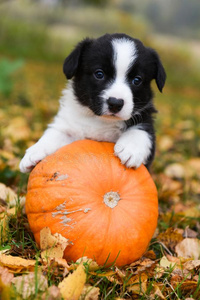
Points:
(89, 293)
(7, 194)
(150, 254)
(2, 208)
(156, 293)
(92, 265)
(191, 264)
(170, 238)
(169, 189)
(165, 263)
(52, 293)
(165, 143)
(17, 264)
(189, 287)
(53, 245)
(188, 248)
(17, 129)
(5, 276)
(26, 284)
(5, 291)
(189, 233)
(72, 286)
(194, 165)
(175, 170)
(138, 284)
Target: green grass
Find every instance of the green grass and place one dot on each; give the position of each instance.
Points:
(30, 105)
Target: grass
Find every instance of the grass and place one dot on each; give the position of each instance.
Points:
(41, 105)
(30, 105)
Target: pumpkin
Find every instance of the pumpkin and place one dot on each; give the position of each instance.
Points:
(107, 211)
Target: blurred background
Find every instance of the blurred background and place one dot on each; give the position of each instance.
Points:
(35, 38)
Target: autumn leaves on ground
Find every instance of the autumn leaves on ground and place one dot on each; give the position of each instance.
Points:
(170, 267)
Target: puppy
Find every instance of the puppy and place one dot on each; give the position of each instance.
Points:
(108, 98)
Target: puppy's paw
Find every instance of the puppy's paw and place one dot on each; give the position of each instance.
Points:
(32, 156)
(133, 148)
(130, 157)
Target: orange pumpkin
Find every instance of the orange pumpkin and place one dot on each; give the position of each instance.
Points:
(107, 211)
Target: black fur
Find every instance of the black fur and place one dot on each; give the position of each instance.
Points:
(93, 54)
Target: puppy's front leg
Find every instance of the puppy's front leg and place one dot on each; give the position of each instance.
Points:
(134, 147)
(51, 141)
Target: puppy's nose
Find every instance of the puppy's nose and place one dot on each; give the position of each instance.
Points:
(114, 104)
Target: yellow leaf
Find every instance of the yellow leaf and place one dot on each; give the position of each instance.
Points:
(16, 264)
(53, 245)
(138, 284)
(165, 263)
(17, 129)
(72, 286)
(92, 265)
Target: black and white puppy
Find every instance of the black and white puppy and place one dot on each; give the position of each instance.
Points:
(108, 98)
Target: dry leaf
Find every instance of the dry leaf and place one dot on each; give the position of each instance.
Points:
(7, 194)
(138, 284)
(175, 170)
(52, 293)
(150, 254)
(189, 287)
(169, 189)
(17, 129)
(189, 233)
(72, 286)
(165, 263)
(188, 248)
(194, 165)
(5, 276)
(156, 293)
(92, 265)
(5, 291)
(4, 218)
(191, 264)
(165, 143)
(89, 293)
(16, 264)
(171, 237)
(53, 245)
(26, 284)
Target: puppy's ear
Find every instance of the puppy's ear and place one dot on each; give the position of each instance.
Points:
(160, 75)
(72, 61)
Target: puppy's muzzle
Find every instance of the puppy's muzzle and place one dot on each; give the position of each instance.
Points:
(114, 104)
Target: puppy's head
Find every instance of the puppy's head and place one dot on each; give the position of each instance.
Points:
(112, 75)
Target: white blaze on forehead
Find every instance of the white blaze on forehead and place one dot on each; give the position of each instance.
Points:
(124, 56)
(125, 53)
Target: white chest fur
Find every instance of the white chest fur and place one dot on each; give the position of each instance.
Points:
(80, 122)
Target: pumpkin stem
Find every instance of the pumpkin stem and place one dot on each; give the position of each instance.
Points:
(111, 199)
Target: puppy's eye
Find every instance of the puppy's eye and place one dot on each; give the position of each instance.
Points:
(137, 80)
(99, 74)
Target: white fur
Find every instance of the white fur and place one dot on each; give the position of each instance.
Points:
(73, 122)
(124, 56)
(133, 147)
(76, 122)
